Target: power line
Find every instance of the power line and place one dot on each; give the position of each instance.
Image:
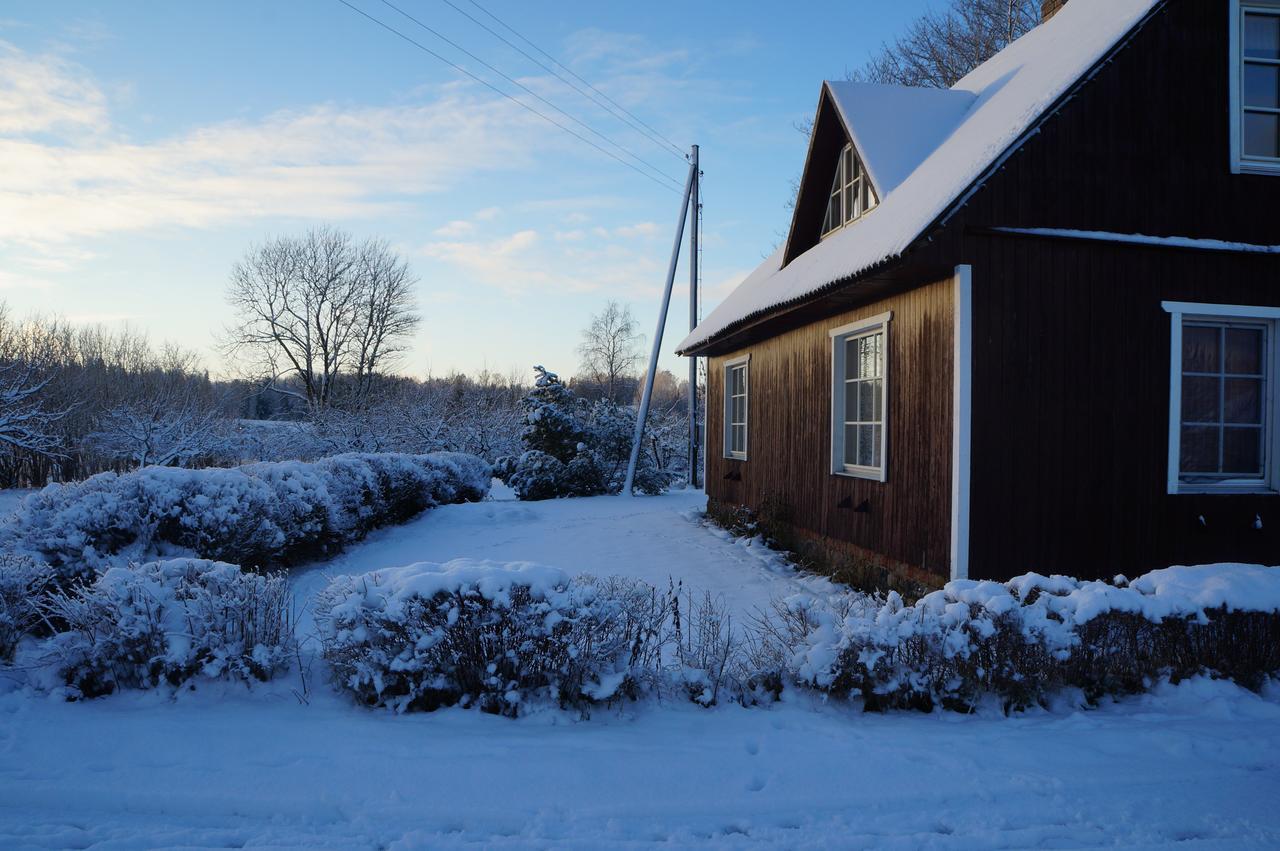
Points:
(514, 100)
(600, 99)
(531, 92)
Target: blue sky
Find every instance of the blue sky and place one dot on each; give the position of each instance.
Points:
(145, 145)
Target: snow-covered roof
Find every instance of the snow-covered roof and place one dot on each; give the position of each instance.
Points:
(919, 179)
(895, 128)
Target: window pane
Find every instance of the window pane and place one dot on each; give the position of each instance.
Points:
(1262, 85)
(866, 446)
(1242, 401)
(1262, 134)
(850, 402)
(1199, 449)
(851, 444)
(850, 207)
(848, 164)
(850, 359)
(878, 413)
(739, 413)
(1244, 351)
(1262, 36)
(1199, 348)
(876, 434)
(1200, 399)
(1242, 451)
(866, 402)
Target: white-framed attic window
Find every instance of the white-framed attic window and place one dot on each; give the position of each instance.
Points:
(1255, 86)
(1224, 360)
(851, 194)
(859, 398)
(737, 384)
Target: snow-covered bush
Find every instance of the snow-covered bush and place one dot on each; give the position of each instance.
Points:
(1021, 640)
(167, 622)
(24, 583)
(469, 633)
(258, 515)
(573, 448)
(500, 637)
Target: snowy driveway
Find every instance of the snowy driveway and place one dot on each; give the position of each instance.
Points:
(1196, 766)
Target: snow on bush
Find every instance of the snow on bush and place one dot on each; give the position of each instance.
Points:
(257, 515)
(24, 582)
(574, 448)
(1020, 640)
(166, 622)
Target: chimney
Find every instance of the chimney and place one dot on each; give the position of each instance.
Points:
(1049, 8)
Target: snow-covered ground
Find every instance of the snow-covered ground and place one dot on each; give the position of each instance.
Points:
(1197, 765)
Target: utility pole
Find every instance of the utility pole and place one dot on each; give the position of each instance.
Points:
(693, 318)
(643, 413)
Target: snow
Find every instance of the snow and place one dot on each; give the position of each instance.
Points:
(895, 128)
(1011, 91)
(283, 764)
(1143, 239)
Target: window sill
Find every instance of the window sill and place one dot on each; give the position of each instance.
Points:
(871, 473)
(1258, 167)
(1224, 490)
(733, 457)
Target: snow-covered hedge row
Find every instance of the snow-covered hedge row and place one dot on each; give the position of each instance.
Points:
(259, 515)
(488, 635)
(1024, 639)
(166, 622)
(499, 636)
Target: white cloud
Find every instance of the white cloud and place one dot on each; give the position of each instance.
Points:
(43, 93)
(455, 228)
(640, 229)
(320, 162)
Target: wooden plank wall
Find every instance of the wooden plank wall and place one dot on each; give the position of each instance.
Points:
(1071, 402)
(790, 434)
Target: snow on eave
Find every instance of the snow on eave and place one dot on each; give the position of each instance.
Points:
(1144, 239)
(1014, 92)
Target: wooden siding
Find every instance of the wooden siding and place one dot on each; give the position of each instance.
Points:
(1071, 347)
(789, 450)
(1071, 411)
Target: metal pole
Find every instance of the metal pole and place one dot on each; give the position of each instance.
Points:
(643, 413)
(693, 321)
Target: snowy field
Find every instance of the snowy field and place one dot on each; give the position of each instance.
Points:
(1193, 766)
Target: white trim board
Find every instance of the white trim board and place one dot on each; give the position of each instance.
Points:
(961, 421)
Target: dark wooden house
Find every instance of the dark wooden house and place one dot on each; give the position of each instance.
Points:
(1029, 323)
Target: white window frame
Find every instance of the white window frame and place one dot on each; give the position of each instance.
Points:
(743, 363)
(1180, 312)
(861, 328)
(1240, 164)
(843, 185)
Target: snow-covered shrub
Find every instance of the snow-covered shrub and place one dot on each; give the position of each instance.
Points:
(258, 515)
(1020, 640)
(166, 622)
(573, 448)
(24, 582)
(497, 637)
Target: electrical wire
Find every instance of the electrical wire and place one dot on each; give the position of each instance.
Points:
(532, 93)
(600, 99)
(509, 97)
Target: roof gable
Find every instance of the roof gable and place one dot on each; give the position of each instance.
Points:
(1009, 94)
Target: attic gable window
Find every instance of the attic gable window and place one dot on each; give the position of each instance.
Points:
(1255, 86)
(851, 194)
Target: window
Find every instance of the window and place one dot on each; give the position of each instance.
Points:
(735, 408)
(851, 193)
(859, 394)
(1222, 430)
(1255, 91)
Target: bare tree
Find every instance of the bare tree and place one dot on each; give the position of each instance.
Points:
(318, 307)
(610, 350)
(941, 46)
(25, 423)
